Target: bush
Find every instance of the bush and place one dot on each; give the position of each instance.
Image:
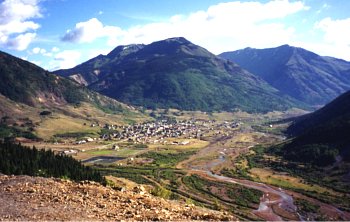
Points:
(45, 113)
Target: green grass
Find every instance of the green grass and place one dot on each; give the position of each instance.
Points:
(7, 131)
(238, 194)
(75, 134)
(101, 152)
(126, 152)
(307, 206)
(314, 182)
(167, 158)
(134, 174)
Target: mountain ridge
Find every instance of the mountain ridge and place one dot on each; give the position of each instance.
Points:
(299, 73)
(37, 104)
(175, 73)
(27, 83)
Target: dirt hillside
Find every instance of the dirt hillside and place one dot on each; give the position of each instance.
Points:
(35, 198)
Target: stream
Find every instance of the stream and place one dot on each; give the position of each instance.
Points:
(284, 201)
(280, 199)
(275, 204)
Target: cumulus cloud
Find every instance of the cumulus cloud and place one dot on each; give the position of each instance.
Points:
(66, 59)
(38, 50)
(336, 36)
(16, 29)
(44, 52)
(85, 32)
(55, 49)
(232, 24)
(21, 41)
(336, 31)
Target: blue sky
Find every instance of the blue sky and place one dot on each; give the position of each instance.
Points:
(63, 33)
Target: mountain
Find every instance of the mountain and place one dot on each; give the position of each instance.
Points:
(178, 74)
(323, 135)
(24, 82)
(89, 71)
(301, 74)
(27, 83)
(28, 93)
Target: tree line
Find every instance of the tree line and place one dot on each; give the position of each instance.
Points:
(20, 160)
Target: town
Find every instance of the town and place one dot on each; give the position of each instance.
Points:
(158, 131)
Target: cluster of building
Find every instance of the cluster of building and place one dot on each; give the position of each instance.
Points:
(154, 132)
(159, 131)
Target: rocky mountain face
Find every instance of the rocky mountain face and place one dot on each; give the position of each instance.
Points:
(175, 73)
(89, 71)
(299, 73)
(35, 198)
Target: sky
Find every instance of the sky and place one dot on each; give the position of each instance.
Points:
(57, 34)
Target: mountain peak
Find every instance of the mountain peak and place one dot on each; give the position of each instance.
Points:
(285, 46)
(124, 50)
(177, 39)
(174, 46)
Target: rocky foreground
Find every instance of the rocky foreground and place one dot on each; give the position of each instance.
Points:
(36, 198)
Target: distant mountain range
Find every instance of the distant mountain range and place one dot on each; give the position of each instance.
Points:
(301, 74)
(175, 73)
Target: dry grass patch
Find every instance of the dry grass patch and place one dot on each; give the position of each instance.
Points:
(283, 180)
(242, 140)
(89, 112)
(192, 144)
(59, 123)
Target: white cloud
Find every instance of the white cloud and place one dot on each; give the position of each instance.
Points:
(222, 27)
(36, 50)
(336, 31)
(324, 7)
(55, 49)
(89, 31)
(16, 29)
(95, 52)
(38, 63)
(336, 37)
(20, 42)
(66, 59)
(41, 51)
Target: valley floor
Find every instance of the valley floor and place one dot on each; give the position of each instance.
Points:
(225, 168)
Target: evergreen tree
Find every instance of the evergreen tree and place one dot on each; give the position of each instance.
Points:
(17, 159)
